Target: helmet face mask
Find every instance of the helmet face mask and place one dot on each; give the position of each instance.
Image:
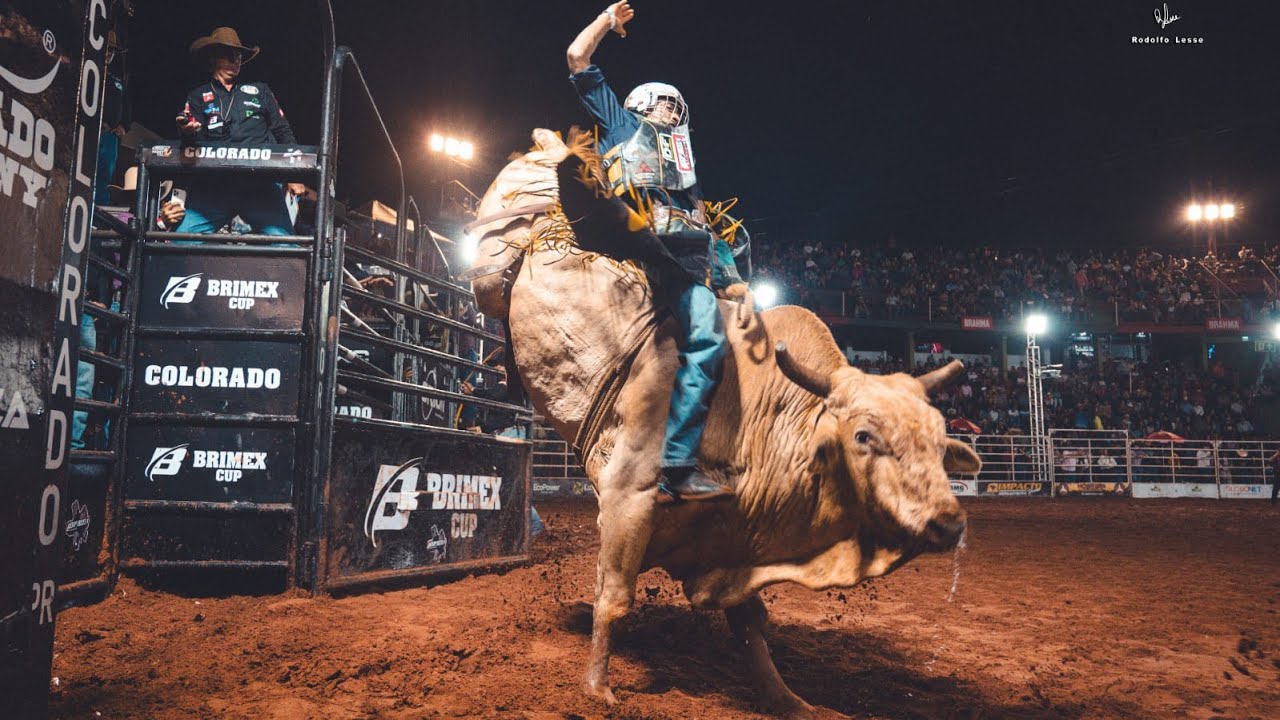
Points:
(659, 103)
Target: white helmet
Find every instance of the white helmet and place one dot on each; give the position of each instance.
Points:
(646, 97)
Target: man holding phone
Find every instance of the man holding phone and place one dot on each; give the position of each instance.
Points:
(228, 112)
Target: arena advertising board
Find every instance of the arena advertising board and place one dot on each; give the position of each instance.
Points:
(229, 377)
(1012, 488)
(1092, 488)
(964, 488)
(83, 521)
(222, 292)
(408, 501)
(562, 487)
(1175, 490)
(231, 157)
(1226, 323)
(51, 82)
(210, 464)
(1232, 491)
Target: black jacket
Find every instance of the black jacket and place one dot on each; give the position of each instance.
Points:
(248, 114)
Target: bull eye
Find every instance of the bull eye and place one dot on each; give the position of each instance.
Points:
(862, 437)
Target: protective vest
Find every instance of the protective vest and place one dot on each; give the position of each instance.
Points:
(661, 159)
(653, 157)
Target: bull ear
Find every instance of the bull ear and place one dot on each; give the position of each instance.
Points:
(805, 377)
(938, 379)
(960, 458)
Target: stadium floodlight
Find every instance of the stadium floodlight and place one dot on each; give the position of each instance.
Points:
(1275, 331)
(451, 146)
(1210, 212)
(1226, 211)
(766, 294)
(469, 248)
(1035, 324)
(1194, 212)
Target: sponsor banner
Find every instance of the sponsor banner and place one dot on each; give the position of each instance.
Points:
(404, 499)
(231, 377)
(559, 487)
(276, 157)
(83, 510)
(971, 322)
(1175, 490)
(1223, 324)
(964, 488)
(211, 464)
(1013, 488)
(1244, 492)
(1093, 488)
(222, 292)
(51, 90)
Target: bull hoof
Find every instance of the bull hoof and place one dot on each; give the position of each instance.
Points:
(793, 708)
(600, 691)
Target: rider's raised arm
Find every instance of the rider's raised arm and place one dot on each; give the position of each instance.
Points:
(584, 46)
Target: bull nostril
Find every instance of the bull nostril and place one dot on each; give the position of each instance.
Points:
(945, 531)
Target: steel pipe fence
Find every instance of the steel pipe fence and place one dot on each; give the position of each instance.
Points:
(1108, 462)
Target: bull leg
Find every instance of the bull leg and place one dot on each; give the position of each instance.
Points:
(748, 622)
(626, 522)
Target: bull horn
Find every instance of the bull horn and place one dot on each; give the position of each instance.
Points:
(935, 380)
(805, 377)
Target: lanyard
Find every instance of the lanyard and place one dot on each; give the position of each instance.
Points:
(230, 93)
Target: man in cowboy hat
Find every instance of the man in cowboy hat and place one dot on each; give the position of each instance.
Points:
(226, 111)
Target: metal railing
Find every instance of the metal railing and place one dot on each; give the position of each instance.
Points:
(1110, 462)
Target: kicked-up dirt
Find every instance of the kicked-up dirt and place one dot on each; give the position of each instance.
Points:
(1068, 608)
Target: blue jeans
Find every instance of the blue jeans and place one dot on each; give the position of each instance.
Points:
(701, 345)
(84, 379)
(259, 203)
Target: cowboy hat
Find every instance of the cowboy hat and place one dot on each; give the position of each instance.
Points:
(125, 194)
(226, 37)
(113, 43)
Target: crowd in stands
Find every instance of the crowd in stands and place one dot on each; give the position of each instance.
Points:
(944, 284)
(1139, 397)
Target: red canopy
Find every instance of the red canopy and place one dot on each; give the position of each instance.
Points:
(964, 425)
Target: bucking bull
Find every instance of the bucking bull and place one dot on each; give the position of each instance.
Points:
(839, 475)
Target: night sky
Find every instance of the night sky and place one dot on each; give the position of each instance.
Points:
(980, 122)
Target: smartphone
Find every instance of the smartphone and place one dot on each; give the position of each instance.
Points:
(179, 196)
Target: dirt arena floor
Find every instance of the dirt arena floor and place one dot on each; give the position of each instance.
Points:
(1082, 608)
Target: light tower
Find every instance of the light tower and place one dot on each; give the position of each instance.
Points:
(1036, 324)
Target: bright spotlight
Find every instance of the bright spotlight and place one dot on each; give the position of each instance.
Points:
(1210, 212)
(1227, 211)
(469, 248)
(1036, 324)
(466, 150)
(1194, 212)
(1275, 331)
(437, 142)
(765, 294)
